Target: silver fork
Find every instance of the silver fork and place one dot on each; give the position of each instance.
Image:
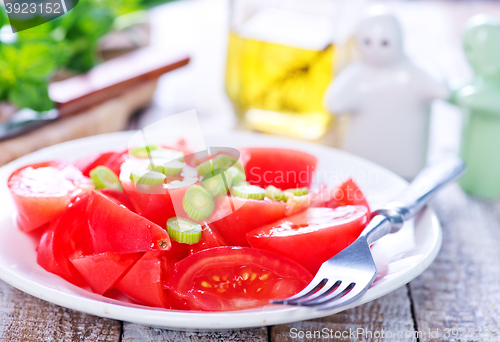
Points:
(348, 275)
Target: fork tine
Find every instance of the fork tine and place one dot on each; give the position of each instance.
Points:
(337, 293)
(354, 294)
(308, 290)
(330, 286)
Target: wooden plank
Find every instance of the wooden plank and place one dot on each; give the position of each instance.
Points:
(391, 313)
(25, 318)
(139, 333)
(461, 287)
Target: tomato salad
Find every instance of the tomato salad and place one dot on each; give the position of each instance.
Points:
(170, 230)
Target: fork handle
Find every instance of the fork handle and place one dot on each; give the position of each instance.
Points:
(428, 182)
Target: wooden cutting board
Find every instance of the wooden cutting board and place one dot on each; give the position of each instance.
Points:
(101, 101)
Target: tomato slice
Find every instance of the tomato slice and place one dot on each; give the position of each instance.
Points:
(43, 191)
(86, 164)
(113, 228)
(348, 193)
(144, 281)
(157, 208)
(313, 236)
(235, 278)
(251, 214)
(118, 197)
(65, 237)
(112, 160)
(102, 271)
(283, 168)
(209, 239)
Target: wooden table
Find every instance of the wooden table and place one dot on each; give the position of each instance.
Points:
(459, 290)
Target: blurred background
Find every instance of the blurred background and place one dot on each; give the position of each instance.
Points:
(253, 65)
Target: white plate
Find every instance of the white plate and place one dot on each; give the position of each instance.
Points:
(18, 265)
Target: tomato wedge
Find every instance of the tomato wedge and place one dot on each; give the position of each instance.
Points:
(348, 193)
(144, 281)
(43, 191)
(114, 228)
(209, 239)
(103, 270)
(283, 168)
(313, 236)
(251, 214)
(118, 197)
(157, 208)
(112, 160)
(234, 278)
(64, 238)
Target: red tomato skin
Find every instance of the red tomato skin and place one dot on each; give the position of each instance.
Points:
(347, 193)
(116, 160)
(157, 208)
(250, 215)
(283, 168)
(183, 295)
(103, 270)
(118, 197)
(35, 210)
(116, 229)
(209, 239)
(88, 163)
(65, 237)
(144, 281)
(312, 247)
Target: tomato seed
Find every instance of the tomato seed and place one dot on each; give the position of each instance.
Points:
(205, 284)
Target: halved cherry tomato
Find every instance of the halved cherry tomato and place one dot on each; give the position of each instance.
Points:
(251, 214)
(43, 191)
(209, 239)
(64, 238)
(116, 229)
(234, 278)
(348, 193)
(313, 236)
(103, 270)
(144, 281)
(280, 167)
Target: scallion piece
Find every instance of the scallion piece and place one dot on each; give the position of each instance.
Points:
(249, 191)
(198, 203)
(183, 230)
(104, 178)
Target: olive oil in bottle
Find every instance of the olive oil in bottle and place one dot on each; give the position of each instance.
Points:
(279, 64)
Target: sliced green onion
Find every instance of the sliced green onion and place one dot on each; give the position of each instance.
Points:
(298, 191)
(237, 175)
(216, 185)
(105, 178)
(183, 230)
(219, 162)
(205, 168)
(168, 168)
(147, 177)
(249, 191)
(144, 152)
(276, 194)
(198, 203)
